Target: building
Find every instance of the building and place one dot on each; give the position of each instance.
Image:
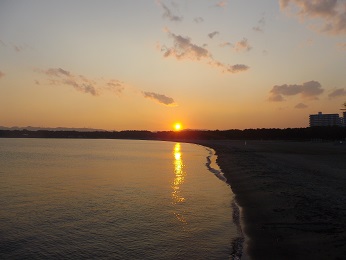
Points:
(327, 119)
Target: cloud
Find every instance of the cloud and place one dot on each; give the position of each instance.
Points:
(211, 35)
(162, 99)
(198, 20)
(310, 89)
(115, 86)
(169, 14)
(59, 76)
(184, 49)
(342, 46)
(82, 87)
(308, 42)
(226, 44)
(331, 14)
(242, 45)
(231, 68)
(340, 92)
(2, 74)
(2, 43)
(276, 98)
(17, 48)
(238, 68)
(222, 3)
(57, 72)
(300, 106)
(260, 25)
(14, 47)
(312, 7)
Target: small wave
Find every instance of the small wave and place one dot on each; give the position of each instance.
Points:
(238, 242)
(216, 172)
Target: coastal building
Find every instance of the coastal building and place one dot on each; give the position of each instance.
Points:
(327, 119)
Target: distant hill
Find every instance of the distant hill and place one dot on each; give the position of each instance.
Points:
(33, 128)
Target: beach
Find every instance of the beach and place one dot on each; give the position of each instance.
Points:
(292, 196)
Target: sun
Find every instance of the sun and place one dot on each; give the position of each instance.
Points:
(177, 126)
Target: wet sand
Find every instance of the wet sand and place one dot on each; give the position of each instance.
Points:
(292, 195)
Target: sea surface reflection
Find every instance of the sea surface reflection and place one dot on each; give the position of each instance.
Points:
(111, 199)
(178, 181)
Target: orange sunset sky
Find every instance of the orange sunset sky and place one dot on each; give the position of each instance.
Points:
(129, 64)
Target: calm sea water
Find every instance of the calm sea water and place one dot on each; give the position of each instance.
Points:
(112, 199)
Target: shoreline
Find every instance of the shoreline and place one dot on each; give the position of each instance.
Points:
(291, 195)
(237, 244)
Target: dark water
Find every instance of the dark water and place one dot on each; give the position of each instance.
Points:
(112, 199)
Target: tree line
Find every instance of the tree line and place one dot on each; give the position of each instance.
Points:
(309, 133)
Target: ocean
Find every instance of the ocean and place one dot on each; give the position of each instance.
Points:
(114, 199)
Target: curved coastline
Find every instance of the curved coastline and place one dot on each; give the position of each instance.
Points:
(238, 250)
(291, 196)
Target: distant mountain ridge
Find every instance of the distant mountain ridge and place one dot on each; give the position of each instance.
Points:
(33, 128)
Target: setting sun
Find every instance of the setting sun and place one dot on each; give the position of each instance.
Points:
(177, 126)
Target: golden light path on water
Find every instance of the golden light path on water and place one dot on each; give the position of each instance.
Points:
(179, 178)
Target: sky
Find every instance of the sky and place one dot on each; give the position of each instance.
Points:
(144, 65)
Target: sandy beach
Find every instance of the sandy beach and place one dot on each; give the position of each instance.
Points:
(292, 195)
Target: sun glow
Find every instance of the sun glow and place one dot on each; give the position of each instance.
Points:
(177, 126)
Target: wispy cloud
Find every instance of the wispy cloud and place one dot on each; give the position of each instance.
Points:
(242, 45)
(237, 68)
(198, 20)
(229, 68)
(276, 98)
(260, 25)
(184, 49)
(307, 43)
(300, 106)
(14, 47)
(57, 72)
(59, 76)
(162, 99)
(115, 86)
(331, 14)
(95, 87)
(340, 92)
(342, 46)
(310, 90)
(17, 48)
(226, 44)
(1, 74)
(169, 14)
(212, 34)
(222, 3)
(2, 43)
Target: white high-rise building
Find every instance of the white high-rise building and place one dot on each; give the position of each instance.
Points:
(326, 119)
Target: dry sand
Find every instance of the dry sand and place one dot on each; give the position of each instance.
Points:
(292, 194)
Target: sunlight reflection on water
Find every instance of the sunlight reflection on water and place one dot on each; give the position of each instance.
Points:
(111, 199)
(179, 177)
